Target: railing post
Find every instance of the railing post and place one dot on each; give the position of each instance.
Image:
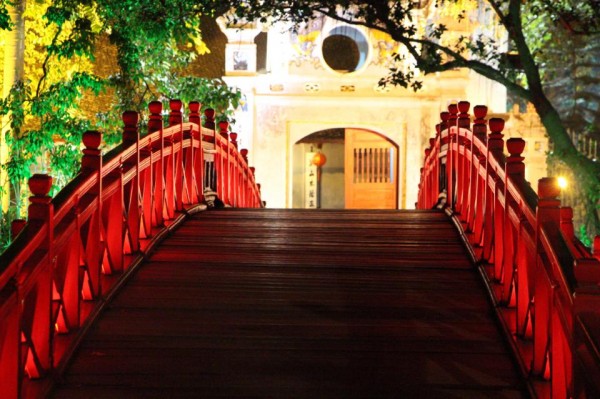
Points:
(434, 176)
(113, 224)
(446, 182)
(209, 118)
(224, 162)
(175, 114)
(424, 184)
(195, 165)
(131, 191)
(514, 169)
(155, 124)
(244, 153)
(495, 243)
(91, 163)
(194, 116)
(547, 216)
(246, 191)
(453, 154)
(233, 137)
(235, 170)
(463, 184)
(478, 201)
(176, 119)
(36, 318)
(224, 129)
(211, 156)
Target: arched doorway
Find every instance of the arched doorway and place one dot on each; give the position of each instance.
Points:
(360, 171)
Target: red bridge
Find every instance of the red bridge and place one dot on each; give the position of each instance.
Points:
(125, 286)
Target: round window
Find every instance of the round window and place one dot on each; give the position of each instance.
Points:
(345, 49)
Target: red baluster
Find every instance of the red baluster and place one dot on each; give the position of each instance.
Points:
(225, 162)
(176, 161)
(233, 137)
(478, 201)
(131, 190)
(514, 171)
(244, 153)
(464, 119)
(130, 127)
(209, 118)
(91, 163)
(515, 167)
(36, 294)
(197, 180)
(444, 116)
(463, 175)
(548, 204)
(495, 210)
(453, 114)
(224, 128)
(155, 124)
(479, 124)
(92, 156)
(175, 114)
(194, 116)
(548, 215)
(495, 142)
(435, 142)
(155, 121)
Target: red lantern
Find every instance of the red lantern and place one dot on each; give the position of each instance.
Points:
(319, 159)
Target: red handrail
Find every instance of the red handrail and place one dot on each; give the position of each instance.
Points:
(76, 248)
(545, 283)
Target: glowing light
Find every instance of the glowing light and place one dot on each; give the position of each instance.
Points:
(562, 182)
(319, 159)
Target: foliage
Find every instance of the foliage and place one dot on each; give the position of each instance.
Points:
(566, 49)
(433, 47)
(5, 23)
(6, 217)
(50, 110)
(585, 238)
(213, 93)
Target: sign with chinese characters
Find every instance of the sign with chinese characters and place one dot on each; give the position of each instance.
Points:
(310, 185)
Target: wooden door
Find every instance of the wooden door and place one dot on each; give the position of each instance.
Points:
(371, 180)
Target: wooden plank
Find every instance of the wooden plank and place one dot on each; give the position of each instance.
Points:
(297, 304)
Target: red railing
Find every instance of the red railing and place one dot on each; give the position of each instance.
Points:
(545, 283)
(77, 248)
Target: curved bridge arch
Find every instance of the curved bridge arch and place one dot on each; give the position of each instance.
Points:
(544, 281)
(77, 248)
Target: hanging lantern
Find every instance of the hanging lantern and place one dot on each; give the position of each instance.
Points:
(319, 159)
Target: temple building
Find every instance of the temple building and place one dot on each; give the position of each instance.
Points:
(320, 129)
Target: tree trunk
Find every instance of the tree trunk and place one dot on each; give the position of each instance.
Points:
(14, 63)
(587, 171)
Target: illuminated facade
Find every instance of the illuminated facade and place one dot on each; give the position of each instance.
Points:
(322, 82)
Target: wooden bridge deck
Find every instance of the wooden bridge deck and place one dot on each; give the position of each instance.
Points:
(300, 304)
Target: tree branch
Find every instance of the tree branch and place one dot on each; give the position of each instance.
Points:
(530, 68)
(46, 60)
(496, 7)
